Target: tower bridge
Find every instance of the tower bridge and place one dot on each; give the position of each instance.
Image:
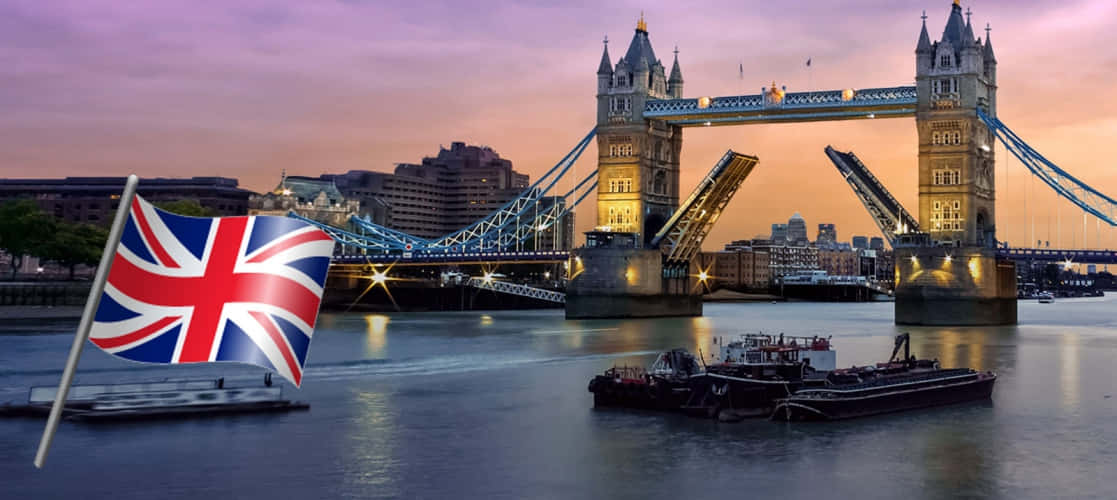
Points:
(950, 267)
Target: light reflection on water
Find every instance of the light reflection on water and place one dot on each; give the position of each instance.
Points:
(494, 404)
(1068, 369)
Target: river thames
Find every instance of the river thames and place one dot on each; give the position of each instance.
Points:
(494, 405)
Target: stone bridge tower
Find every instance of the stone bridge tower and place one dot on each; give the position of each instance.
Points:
(638, 159)
(959, 278)
(955, 76)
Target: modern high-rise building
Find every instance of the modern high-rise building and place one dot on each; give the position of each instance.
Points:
(797, 230)
(876, 243)
(445, 193)
(860, 243)
(827, 233)
(779, 234)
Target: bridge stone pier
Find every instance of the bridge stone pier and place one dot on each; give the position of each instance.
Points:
(614, 277)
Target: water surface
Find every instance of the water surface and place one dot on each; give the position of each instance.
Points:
(494, 405)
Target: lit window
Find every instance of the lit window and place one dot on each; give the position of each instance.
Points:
(946, 216)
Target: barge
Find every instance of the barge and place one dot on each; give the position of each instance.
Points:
(754, 371)
(901, 384)
(751, 373)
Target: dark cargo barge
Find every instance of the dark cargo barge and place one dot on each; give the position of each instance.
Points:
(901, 384)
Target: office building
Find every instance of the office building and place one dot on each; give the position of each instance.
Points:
(94, 200)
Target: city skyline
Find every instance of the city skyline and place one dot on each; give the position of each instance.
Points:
(247, 89)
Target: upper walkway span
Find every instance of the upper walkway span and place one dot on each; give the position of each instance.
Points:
(774, 106)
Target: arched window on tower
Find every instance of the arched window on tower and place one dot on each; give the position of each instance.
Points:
(956, 138)
(936, 138)
(659, 186)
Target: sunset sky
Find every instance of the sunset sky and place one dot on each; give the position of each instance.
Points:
(246, 88)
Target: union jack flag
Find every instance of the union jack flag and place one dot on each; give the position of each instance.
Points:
(196, 289)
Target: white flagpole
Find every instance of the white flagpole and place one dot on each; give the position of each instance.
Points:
(95, 291)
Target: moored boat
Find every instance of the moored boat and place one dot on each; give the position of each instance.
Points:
(754, 371)
(662, 386)
(147, 400)
(901, 384)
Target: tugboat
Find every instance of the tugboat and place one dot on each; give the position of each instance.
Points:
(1046, 298)
(900, 384)
(756, 370)
(665, 385)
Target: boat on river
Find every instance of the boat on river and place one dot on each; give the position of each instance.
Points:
(665, 385)
(1046, 298)
(754, 371)
(149, 400)
(900, 384)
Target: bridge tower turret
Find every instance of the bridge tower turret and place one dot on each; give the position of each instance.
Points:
(638, 159)
(954, 80)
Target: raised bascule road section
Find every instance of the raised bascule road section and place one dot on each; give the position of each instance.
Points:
(950, 266)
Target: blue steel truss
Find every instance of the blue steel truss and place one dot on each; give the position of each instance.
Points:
(1086, 197)
(1059, 256)
(529, 214)
(794, 106)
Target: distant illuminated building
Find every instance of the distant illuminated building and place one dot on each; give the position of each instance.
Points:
(308, 197)
(827, 233)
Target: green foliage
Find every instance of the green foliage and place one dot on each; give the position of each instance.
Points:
(74, 244)
(24, 230)
(190, 208)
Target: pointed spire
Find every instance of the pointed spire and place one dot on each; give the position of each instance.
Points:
(967, 34)
(989, 58)
(955, 26)
(924, 45)
(606, 67)
(643, 66)
(641, 25)
(676, 73)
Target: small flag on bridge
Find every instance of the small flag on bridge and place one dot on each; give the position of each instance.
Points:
(741, 71)
(175, 289)
(808, 62)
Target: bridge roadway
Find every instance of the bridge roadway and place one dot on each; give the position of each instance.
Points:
(1054, 255)
(556, 256)
(451, 259)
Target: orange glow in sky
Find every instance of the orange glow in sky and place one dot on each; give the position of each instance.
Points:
(247, 88)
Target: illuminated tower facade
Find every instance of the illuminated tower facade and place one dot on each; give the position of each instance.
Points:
(955, 77)
(638, 159)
